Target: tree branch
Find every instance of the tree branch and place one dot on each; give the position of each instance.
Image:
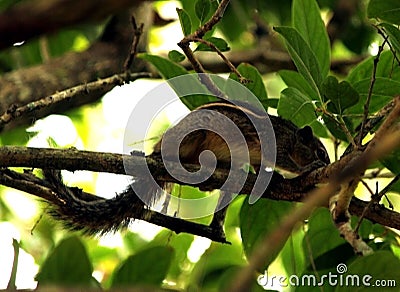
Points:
(29, 183)
(73, 95)
(295, 189)
(105, 57)
(29, 19)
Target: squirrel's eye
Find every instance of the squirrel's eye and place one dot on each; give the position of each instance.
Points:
(321, 153)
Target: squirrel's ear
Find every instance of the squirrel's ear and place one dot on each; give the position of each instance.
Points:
(305, 134)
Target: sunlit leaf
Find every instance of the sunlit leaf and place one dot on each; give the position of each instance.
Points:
(165, 67)
(385, 68)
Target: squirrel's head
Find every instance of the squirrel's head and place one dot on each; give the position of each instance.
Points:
(308, 149)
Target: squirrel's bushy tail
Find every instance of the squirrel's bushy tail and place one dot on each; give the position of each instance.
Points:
(80, 211)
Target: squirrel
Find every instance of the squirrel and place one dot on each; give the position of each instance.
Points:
(297, 151)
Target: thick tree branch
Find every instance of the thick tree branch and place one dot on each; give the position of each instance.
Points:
(29, 19)
(279, 188)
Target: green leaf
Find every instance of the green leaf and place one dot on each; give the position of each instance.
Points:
(296, 107)
(322, 236)
(394, 35)
(235, 20)
(396, 187)
(180, 243)
(392, 162)
(302, 56)
(165, 67)
(256, 84)
(306, 18)
(67, 265)
(259, 219)
(319, 130)
(148, 267)
(388, 10)
(385, 68)
(176, 56)
(342, 95)
(215, 261)
(358, 35)
(296, 80)
(272, 103)
(184, 88)
(221, 44)
(293, 257)
(383, 92)
(65, 41)
(184, 19)
(190, 7)
(381, 265)
(202, 8)
(334, 128)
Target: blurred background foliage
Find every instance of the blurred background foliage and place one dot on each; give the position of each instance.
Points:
(151, 256)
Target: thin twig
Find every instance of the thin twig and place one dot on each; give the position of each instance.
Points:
(342, 125)
(137, 32)
(381, 31)
(13, 277)
(184, 44)
(367, 187)
(370, 124)
(215, 18)
(104, 84)
(371, 87)
(225, 59)
(375, 200)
